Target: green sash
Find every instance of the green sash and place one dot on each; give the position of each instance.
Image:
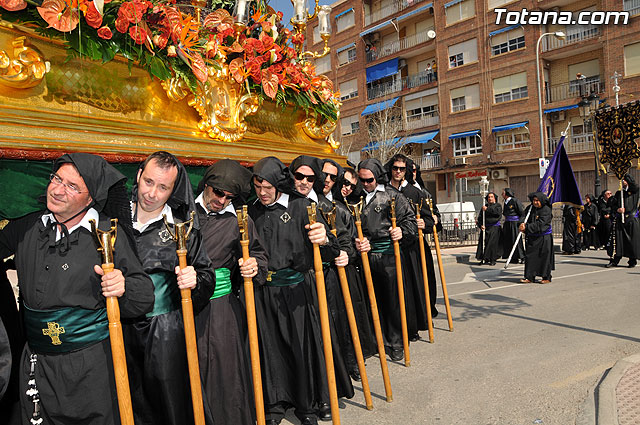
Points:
(284, 277)
(223, 283)
(64, 330)
(165, 288)
(382, 246)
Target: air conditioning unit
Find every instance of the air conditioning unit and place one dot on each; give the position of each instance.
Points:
(460, 161)
(557, 116)
(498, 174)
(402, 63)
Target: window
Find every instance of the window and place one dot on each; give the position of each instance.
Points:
(349, 125)
(511, 87)
(590, 70)
(348, 89)
(512, 139)
(507, 41)
(422, 107)
(632, 6)
(323, 64)
(458, 10)
(346, 55)
(495, 3)
(632, 59)
(461, 53)
(463, 98)
(345, 20)
(468, 145)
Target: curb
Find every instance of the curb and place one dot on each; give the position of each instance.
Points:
(607, 412)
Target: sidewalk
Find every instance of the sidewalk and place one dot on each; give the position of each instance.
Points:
(616, 398)
(467, 253)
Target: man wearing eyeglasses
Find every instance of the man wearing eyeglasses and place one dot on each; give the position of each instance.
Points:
(294, 373)
(376, 225)
(155, 342)
(66, 372)
(221, 327)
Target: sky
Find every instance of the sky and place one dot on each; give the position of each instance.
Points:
(286, 7)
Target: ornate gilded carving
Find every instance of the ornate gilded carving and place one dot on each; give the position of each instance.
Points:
(22, 68)
(223, 107)
(320, 128)
(176, 89)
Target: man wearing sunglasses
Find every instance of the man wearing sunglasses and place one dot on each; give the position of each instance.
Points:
(155, 343)
(66, 373)
(376, 225)
(294, 373)
(221, 327)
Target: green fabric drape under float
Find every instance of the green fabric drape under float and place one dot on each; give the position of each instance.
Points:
(23, 182)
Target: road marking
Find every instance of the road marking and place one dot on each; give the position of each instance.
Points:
(489, 289)
(598, 370)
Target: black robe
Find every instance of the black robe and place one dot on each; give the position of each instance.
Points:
(76, 386)
(161, 394)
(539, 256)
(512, 212)
(376, 221)
(627, 234)
(492, 250)
(292, 357)
(604, 222)
(590, 218)
(570, 236)
(223, 348)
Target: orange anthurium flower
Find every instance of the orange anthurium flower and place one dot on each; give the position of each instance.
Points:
(270, 83)
(59, 15)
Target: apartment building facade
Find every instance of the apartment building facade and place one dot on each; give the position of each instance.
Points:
(465, 88)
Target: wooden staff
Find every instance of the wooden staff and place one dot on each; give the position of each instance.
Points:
(180, 236)
(353, 327)
(324, 323)
(444, 282)
(403, 311)
(106, 243)
(356, 210)
(252, 327)
(425, 278)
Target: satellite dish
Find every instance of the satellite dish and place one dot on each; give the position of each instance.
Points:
(431, 34)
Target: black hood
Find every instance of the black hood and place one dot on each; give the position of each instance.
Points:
(335, 190)
(630, 180)
(316, 165)
(275, 172)
(407, 173)
(376, 168)
(486, 198)
(544, 199)
(181, 201)
(355, 195)
(418, 178)
(230, 176)
(509, 192)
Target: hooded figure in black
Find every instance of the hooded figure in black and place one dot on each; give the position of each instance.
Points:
(376, 226)
(353, 190)
(512, 211)
(221, 327)
(155, 342)
(604, 221)
(590, 217)
(66, 364)
(539, 256)
(293, 367)
(627, 234)
(570, 232)
(489, 246)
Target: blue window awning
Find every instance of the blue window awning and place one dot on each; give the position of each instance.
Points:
(562, 108)
(382, 70)
(342, 13)
(509, 126)
(413, 12)
(376, 28)
(422, 138)
(347, 47)
(377, 107)
(505, 29)
(451, 3)
(464, 134)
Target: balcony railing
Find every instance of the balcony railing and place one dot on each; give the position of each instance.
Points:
(632, 6)
(585, 32)
(396, 46)
(574, 144)
(404, 83)
(427, 162)
(421, 121)
(389, 10)
(574, 89)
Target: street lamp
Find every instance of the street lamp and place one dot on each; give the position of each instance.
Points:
(588, 106)
(561, 36)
